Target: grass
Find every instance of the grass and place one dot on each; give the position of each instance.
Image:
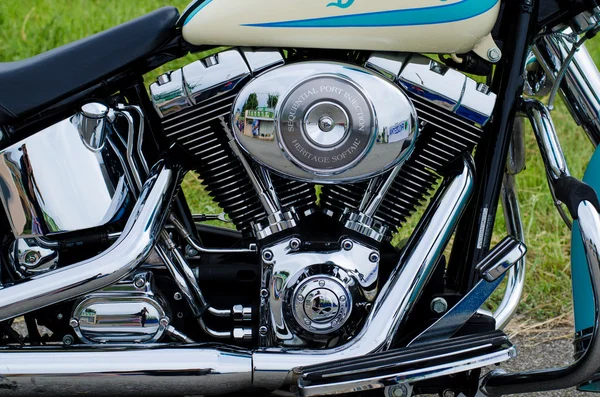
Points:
(30, 27)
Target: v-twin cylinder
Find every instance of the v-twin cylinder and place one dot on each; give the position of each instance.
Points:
(211, 369)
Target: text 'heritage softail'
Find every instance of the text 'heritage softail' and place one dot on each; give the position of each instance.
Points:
(320, 130)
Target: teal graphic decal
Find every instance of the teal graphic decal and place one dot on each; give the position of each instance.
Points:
(444, 13)
(341, 3)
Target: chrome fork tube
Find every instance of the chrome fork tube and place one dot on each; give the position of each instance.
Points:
(581, 85)
(397, 297)
(123, 257)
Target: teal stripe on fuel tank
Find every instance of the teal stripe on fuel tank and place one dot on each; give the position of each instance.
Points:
(196, 10)
(583, 295)
(465, 9)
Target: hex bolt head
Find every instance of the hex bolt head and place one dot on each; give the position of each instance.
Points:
(139, 282)
(267, 256)
(164, 322)
(295, 244)
(449, 393)
(244, 334)
(494, 55)
(264, 293)
(347, 245)
(68, 340)
(73, 323)
(263, 330)
(59, 316)
(374, 257)
(177, 296)
(439, 305)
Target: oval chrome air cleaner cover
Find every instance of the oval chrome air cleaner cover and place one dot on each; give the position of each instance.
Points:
(324, 122)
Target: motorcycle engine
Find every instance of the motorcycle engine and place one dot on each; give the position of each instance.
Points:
(377, 133)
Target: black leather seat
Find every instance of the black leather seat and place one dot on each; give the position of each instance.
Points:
(36, 82)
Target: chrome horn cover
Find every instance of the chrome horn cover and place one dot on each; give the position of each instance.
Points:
(324, 122)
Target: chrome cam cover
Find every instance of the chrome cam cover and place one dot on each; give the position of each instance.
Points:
(324, 122)
(127, 312)
(315, 296)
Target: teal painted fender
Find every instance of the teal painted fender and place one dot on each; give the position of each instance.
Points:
(583, 298)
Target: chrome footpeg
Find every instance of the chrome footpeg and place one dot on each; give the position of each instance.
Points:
(407, 365)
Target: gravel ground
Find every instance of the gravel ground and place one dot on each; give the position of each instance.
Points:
(550, 349)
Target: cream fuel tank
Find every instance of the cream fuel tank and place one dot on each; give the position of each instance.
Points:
(423, 26)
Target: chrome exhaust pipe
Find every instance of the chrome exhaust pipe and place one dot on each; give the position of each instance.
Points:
(273, 368)
(123, 257)
(122, 371)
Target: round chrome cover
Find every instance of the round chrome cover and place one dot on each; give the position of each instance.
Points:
(324, 122)
(322, 304)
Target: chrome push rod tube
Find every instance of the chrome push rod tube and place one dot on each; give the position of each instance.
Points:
(273, 367)
(189, 370)
(516, 275)
(123, 257)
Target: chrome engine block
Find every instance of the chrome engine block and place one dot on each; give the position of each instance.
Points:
(263, 130)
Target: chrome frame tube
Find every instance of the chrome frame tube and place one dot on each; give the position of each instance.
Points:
(272, 367)
(123, 257)
(581, 85)
(552, 153)
(166, 371)
(516, 275)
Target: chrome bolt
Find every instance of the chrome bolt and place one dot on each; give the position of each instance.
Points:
(449, 393)
(73, 323)
(342, 298)
(494, 55)
(263, 330)
(295, 244)
(402, 390)
(374, 257)
(59, 316)
(177, 296)
(164, 322)
(306, 321)
(68, 340)
(264, 293)
(267, 256)
(139, 282)
(347, 245)
(439, 305)
(300, 298)
(321, 283)
(242, 334)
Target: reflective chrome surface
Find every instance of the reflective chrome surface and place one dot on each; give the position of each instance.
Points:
(581, 84)
(36, 198)
(550, 148)
(516, 275)
(311, 293)
(27, 258)
(204, 79)
(122, 258)
(324, 122)
(161, 371)
(436, 83)
(397, 297)
(261, 59)
(91, 123)
(126, 312)
(508, 252)
(373, 382)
